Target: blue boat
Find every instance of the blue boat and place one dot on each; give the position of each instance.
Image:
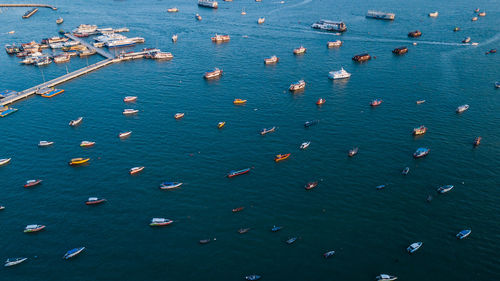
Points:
(73, 252)
(253, 277)
(421, 152)
(310, 123)
(379, 187)
(276, 228)
(414, 247)
(291, 240)
(6, 111)
(444, 188)
(464, 233)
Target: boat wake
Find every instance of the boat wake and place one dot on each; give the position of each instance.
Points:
(290, 6)
(396, 40)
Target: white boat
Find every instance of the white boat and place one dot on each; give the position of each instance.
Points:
(4, 161)
(299, 85)
(414, 247)
(123, 135)
(386, 277)
(174, 38)
(261, 20)
(333, 44)
(14, 261)
(462, 108)
(76, 122)
(434, 14)
(330, 25)
(73, 252)
(45, 143)
(339, 74)
(173, 10)
(208, 3)
(120, 43)
(129, 111)
(57, 45)
(445, 188)
(305, 145)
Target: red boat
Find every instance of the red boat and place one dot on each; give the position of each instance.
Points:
(95, 201)
(311, 185)
(237, 173)
(375, 102)
(235, 210)
(320, 101)
(31, 183)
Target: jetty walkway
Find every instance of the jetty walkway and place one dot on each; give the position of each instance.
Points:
(89, 46)
(29, 5)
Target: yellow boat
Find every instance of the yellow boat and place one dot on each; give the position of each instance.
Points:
(281, 157)
(78, 161)
(221, 124)
(239, 101)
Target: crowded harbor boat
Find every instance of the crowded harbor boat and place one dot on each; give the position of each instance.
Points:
(216, 73)
(299, 85)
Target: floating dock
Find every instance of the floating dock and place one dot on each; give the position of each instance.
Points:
(28, 5)
(89, 46)
(29, 13)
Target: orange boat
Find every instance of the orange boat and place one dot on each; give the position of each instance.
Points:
(239, 101)
(281, 157)
(78, 161)
(320, 101)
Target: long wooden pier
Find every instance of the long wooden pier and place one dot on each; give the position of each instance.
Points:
(98, 50)
(29, 5)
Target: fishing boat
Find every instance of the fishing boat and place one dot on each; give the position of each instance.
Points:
(462, 108)
(400, 50)
(414, 34)
(239, 101)
(221, 38)
(45, 143)
(76, 122)
(375, 102)
(33, 228)
(170, 185)
(310, 123)
(14, 261)
(419, 131)
(216, 73)
(445, 188)
(482, 14)
(59, 20)
(243, 230)
(208, 4)
(239, 209)
(78, 161)
(405, 171)
(261, 20)
(52, 93)
(361, 58)
(31, 183)
(5, 111)
(221, 124)
(380, 15)
(299, 85)
(87, 143)
(328, 25)
(299, 51)
(172, 10)
(269, 130)
(276, 228)
(178, 115)
(123, 135)
(434, 14)
(129, 111)
(329, 254)
(237, 173)
(311, 185)
(466, 40)
(305, 145)
(4, 161)
(253, 277)
(73, 252)
(197, 17)
(320, 101)
(386, 277)
(130, 99)
(380, 187)
(463, 234)
(334, 44)
(94, 201)
(420, 101)
(160, 222)
(291, 240)
(353, 151)
(339, 74)
(136, 170)
(271, 60)
(414, 247)
(174, 38)
(62, 58)
(281, 157)
(477, 141)
(421, 152)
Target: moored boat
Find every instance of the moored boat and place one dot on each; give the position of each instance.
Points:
(375, 102)
(482, 14)
(380, 15)
(14, 261)
(94, 201)
(267, 130)
(421, 152)
(361, 57)
(216, 73)
(170, 185)
(45, 143)
(299, 51)
(462, 108)
(221, 124)
(237, 173)
(311, 185)
(299, 85)
(420, 130)
(334, 44)
(477, 141)
(160, 222)
(31, 183)
(239, 101)
(386, 277)
(353, 151)
(178, 115)
(281, 157)
(414, 247)
(123, 135)
(33, 228)
(400, 50)
(73, 252)
(208, 4)
(305, 145)
(463, 234)
(52, 93)
(87, 143)
(4, 161)
(78, 161)
(445, 188)
(339, 74)
(221, 38)
(130, 111)
(129, 99)
(136, 170)
(320, 101)
(76, 122)
(271, 60)
(474, 19)
(414, 34)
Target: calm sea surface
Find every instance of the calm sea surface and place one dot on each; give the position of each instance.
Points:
(368, 229)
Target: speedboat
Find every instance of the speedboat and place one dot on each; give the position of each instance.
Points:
(123, 135)
(376, 102)
(333, 44)
(414, 247)
(420, 101)
(299, 85)
(45, 143)
(463, 234)
(221, 124)
(419, 131)
(299, 51)
(329, 254)
(445, 188)
(281, 157)
(76, 122)
(271, 60)
(178, 115)
(291, 240)
(33, 228)
(265, 131)
(59, 20)
(421, 152)
(2, 207)
(216, 73)
(239, 209)
(276, 228)
(129, 99)
(305, 145)
(434, 14)
(320, 101)
(170, 185)
(477, 141)
(94, 201)
(239, 101)
(353, 152)
(136, 170)
(462, 108)
(474, 19)
(405, 171)
(78, 161)
(416, 33)
(129, 111)
(14, 261)
(174, 38)
(310, 123)
(311, 185)
(237, 173)
(386, 277)
(31, 183)
(73, 252)
(87, 143)
(379, 187)
(198, 17)
(160, 222)
(172, 10)
(4, 161)
(466, 40)
(253, 277)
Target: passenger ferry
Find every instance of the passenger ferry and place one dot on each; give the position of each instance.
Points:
(85, 30)
(299, 85)
(208, 3)
(271, 60)
(339, 74)
(329, 25)
(299, 51)
(221, 38)
(334, 44)
(216, 73)
(380, 15)
(120, 43)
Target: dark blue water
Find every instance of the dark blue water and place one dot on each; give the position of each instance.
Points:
(368, 229)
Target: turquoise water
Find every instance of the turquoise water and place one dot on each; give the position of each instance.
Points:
(368, 229)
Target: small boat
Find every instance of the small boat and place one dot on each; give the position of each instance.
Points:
(482, 14)
(94, 201)
(130, 111)
(178, 115)
(386, 277)
(172, 10)
(497, 85)
(310, 123)
(476, 10)
(205, 241)
(334, 44)
(456, 28)
(420, 130)
(361, 57)
(221, 38)
(197, 17)
(339, 74)
(276, 228)
(320, 101)
(123, 135)
(420, 101)
(14, 261)
(400, 50)
(380, 187)
(477, 141)
(414, 247)
(305, 145)
(300, 50)
(445, 188)
(474, 19)
(463, 234)
(239, 209)
(353, 152)
(136, 170)
(237, 173)
(73, 252)
(429, 198)
(243, 12)
(376, 102)
(266, 131)
(253, 277)
(462, 108)
(329, 254)
(129, 99)
(2, 207)
(271, 60)
(78, 161)
(311, 185)
(243, 230)
(160, 222)
(174, 38)
(170, 185)
(216, 73)
(414, 34)
(221, 124)
(405, 171)
(76, 122)
(31, 183)
(466, 40)
(59, 20)
(434, 14)
(87, 143)
(33, 228)
(281, 157)
(45, 143)
(291, 240)
(261, 20)
(299, 85)
(4, 161)
(421, 152)
(239, 101)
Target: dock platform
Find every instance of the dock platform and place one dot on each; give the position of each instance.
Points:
(29, 5)
(89, 46)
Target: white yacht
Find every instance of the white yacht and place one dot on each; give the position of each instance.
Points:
(339, 74)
